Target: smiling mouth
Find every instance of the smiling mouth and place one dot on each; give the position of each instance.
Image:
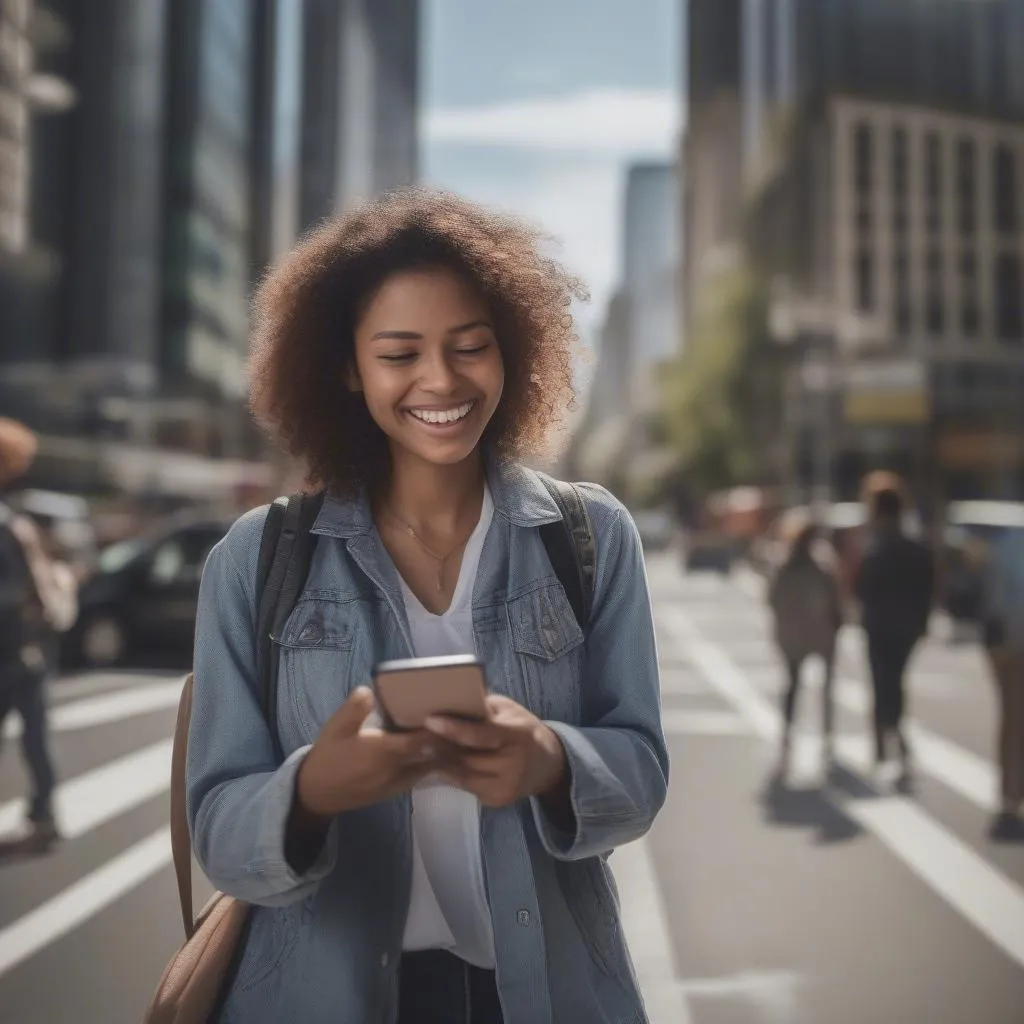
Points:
(443, 417)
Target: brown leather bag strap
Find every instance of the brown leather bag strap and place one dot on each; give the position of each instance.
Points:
(181, 844)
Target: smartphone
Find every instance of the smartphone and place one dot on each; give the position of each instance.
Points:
(409, 691)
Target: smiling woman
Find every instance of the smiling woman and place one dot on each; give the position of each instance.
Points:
(411, 354)
(415, 254)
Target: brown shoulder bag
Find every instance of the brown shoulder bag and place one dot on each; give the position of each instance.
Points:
(192, 986)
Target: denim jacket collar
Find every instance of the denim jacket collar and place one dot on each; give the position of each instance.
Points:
(517, 492)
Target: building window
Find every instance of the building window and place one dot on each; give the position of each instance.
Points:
(1009, 319)
(902, 312)
(933, 183)
(966, 185)
(935, 311)
(864, 273)
(1004, 189)
(970, 314)
(863, 160)
(899, 180)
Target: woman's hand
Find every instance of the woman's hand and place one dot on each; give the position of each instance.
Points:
(350, 767)
(511, 756)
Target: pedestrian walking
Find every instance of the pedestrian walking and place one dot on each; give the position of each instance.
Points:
(413, 354)
(807, 608)
(1004, 643)
(895, 584)
(37, 599)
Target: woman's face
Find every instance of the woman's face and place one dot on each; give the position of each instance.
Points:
(428, 363)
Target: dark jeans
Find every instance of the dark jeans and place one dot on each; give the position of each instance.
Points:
(888, 654)
(795, 665)
(436, 987)
(26, 693)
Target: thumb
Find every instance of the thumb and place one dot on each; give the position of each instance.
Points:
(348, 719)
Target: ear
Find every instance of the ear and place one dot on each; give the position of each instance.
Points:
(352, 379)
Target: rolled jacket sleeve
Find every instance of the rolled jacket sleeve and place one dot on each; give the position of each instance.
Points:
(617, 760)
(238, 797)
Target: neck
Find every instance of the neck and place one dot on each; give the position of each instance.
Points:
(443, 496)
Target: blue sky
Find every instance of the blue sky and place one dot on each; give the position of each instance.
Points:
(536, 106)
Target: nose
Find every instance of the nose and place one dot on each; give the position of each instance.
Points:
(438, 376)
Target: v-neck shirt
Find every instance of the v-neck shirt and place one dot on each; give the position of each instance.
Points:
(448, 906)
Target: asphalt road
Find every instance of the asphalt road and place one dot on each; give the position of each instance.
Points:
(822, 901)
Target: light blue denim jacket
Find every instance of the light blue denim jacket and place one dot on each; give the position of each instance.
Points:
(326, 945)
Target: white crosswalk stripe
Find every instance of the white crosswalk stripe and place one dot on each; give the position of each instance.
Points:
(107, 707)
(98, 796)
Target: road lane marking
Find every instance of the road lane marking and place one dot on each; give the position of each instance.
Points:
(83, 899)
(88, 683)
(645, 925)
(774, 994)
(106, 708)
(672, 685)
(964, 879)
(98, 796)
(704, 723)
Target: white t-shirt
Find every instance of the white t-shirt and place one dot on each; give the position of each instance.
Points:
(448, 907)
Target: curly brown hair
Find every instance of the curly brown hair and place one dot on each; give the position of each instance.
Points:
(307, 307)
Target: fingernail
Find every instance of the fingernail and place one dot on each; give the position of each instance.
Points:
(438, 725)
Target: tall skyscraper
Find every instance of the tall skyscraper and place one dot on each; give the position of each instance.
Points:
(712, 157)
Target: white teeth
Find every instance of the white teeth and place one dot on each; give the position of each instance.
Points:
(442, 415)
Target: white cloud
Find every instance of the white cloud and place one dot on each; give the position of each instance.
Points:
(616, 122)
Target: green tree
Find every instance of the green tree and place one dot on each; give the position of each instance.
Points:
(721, 399)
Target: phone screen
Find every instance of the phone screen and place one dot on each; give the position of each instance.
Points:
(408, 692)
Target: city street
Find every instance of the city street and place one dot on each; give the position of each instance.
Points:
(750, 902)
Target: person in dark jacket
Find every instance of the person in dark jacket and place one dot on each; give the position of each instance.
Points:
(894, 585)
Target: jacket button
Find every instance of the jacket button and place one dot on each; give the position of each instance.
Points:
(523, 917)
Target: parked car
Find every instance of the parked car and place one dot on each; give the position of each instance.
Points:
(140, 604)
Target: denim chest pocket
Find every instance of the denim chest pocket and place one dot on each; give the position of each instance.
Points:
(549, 645)
(317, 652)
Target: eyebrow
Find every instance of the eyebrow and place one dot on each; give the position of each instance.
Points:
(416, 336)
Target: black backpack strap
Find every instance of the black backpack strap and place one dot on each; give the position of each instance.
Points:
(286, 550)
(265, 608)
(571, 547)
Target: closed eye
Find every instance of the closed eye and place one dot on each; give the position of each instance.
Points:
(473, 351)
(399, 357)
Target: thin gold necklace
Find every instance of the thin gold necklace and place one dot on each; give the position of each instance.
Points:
(440, 559)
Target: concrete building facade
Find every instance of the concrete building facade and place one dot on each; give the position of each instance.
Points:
(878, 192)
